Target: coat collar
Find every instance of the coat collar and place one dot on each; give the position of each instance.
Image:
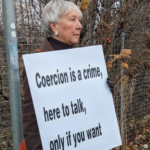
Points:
(46, 46)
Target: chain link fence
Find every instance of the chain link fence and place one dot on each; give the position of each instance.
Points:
(127, 26)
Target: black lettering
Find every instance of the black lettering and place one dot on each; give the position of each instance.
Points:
(56, 144)
(54, 113)
(74, 77)
(63, 110)
(82, 136)
(55, 76)
(59, 139)
(101, 75)
(38, 76)
(58, 113)
(97, 131)
(63, 144)
(93, 134)
(45, 114)
(71, 76)
(88, 133)
(58, 78)
(51, 76)
(81, 105)
(43, 81)
(100, 129)
(69, 138)
(50, 115)
(67, 110)
(75, 141)
(98, 72)
(79, 75)
(84, 71)
(75, 108)
(72, 108)
(88, 73)
(93, 73)
(78, 101)
(61, 78)
(68, 142)
(48, 80)
(51, 145)
(78, 137)
(66, 77)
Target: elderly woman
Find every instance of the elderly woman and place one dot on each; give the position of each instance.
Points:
(61, 20)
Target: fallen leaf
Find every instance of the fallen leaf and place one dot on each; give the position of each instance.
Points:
(132, 123)
(124, 65)
(128, 148)
(109, 64)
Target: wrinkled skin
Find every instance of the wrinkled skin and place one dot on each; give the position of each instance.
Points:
(68, 28)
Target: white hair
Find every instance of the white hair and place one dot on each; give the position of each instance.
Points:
(55, 9)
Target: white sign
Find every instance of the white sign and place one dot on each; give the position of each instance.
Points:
(72, 101)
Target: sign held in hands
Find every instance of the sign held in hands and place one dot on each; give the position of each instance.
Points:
(73, 104)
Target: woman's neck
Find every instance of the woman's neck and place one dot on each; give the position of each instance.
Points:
(58, 45)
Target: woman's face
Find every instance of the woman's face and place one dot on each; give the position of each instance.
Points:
(68, 28)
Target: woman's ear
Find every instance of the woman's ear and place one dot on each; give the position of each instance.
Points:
(53, 27)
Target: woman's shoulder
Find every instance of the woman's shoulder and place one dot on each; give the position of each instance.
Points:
(45, 47)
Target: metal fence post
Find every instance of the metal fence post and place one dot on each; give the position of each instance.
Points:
(13, 71)
(121, 90)
(121, 110)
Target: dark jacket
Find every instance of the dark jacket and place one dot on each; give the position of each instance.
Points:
(30, 127)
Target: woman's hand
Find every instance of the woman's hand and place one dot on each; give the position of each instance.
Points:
(110, 84)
